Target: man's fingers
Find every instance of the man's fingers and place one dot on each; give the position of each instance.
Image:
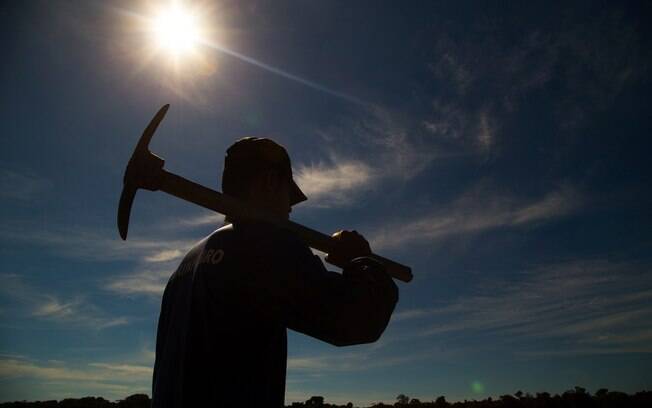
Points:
(348, 245)
(346, 234)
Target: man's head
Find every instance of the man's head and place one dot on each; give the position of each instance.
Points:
(258, 170)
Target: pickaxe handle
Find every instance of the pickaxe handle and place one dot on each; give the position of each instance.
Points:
(224, 204)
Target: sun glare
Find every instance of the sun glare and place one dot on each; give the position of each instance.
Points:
(176, 29)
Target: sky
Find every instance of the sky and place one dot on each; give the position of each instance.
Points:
(501, 149)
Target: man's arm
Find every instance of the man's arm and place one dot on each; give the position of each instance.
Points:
(342, 309)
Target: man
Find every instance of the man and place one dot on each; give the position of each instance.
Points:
(222, 332)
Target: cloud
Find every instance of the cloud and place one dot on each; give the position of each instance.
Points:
(77, 312)
(399, 150)
(486, 132)
(22, 186)
(144, 282)
(155, 258)
(52, 308)
(374, 147)
(18, 368)
(350, 362)
(334, 185)
(589, 306)
(212, 218)
(92, 245)
(164, 255)
(475, 211)
(591, 351)
(126, 369)
(462, 127)
(483, 79)
(113, 380)
(74, 311)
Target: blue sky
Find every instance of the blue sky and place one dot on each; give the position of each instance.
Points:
(501, 150)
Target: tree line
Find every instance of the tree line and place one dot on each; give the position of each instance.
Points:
(576, 398)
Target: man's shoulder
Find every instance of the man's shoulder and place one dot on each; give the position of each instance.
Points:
(257, 232)
(249, 240)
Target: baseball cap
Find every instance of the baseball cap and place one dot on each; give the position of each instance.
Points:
(257, 153)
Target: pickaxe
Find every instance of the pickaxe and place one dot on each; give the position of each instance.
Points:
(145, 170)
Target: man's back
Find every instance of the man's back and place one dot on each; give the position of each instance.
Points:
(222, 331)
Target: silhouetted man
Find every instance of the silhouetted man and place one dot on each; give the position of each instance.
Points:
(222, 332)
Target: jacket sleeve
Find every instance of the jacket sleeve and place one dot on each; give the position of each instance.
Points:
(342, 309)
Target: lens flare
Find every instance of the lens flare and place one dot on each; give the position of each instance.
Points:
(477, 387)
(176, 29)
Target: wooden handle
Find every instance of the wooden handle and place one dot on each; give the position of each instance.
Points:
(224, 204)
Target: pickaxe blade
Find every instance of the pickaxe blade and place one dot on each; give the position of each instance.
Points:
(126, 199)
(136, 175)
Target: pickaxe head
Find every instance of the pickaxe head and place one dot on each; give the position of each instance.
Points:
(143, 171)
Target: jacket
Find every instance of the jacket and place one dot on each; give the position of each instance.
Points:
(222, 331)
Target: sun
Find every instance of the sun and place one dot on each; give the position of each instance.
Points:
(176, 29)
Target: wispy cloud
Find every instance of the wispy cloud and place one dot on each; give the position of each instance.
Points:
(486, 131)
(207, 219)
(73, 311)
(10, 368)
(113, 379)
(467, 128)
(21, 185)
(137, 371)
(164, 255)
(397, 148)
(475, 211)
(76, 312)
(366, 358)
(145, 282)
(94, 245)
(335, 184)
(592, 306)
(484, 79)
(55, 309)
(155, 258)
(376, 146)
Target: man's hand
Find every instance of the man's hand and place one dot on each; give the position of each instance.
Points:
(348, 246)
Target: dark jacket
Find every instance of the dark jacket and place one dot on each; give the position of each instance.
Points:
(221, 339)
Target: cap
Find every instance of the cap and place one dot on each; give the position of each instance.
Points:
(261, 153)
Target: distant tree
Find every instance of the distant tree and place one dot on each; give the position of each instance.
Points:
(543, 395)
(402, 399)
(415, 401)
(519, 394)
(135, 401)
(55, 404)
(95, 402)
(315, 401)
(509, 401)
(580, 390)
(617, 399)
(642, 399)
(601, 393)
(441, 402)
(86, 402)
